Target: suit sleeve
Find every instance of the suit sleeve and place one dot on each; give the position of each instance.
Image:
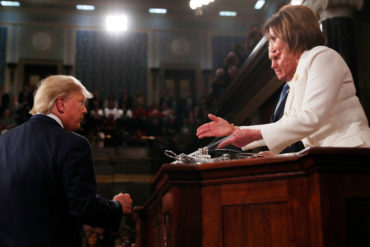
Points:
(324, 78)
(80, 188)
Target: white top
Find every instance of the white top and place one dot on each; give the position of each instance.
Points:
(322, 108)
(117, 113)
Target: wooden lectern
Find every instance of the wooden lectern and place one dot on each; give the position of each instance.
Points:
(319, 197)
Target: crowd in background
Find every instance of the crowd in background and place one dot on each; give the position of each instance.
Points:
(232, 63)
(15, 110)
(125, 120)
(98, 237)
(121, 119)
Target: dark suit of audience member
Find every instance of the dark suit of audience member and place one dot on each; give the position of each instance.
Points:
(26, 96)
(47, 181)
(278, 113)
(125, 100)
(4, 101)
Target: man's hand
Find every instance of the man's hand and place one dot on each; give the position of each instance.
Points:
(125, 201)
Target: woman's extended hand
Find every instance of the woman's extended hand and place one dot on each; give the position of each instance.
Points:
(242, 137)
(217, 128)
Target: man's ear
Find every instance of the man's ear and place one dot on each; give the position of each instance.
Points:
(59, 103)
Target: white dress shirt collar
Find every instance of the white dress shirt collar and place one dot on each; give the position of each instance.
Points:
(53, 116)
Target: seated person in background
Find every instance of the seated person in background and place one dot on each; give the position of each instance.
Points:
(111, 99)
(96, 113)
(230, 61)
(7, 121)
(218, 84)
(322, 108)
(111, 115)
(125, 111)
(233, 70)
(111, 111)
(126, 99)
(253, 37)
(91, 240)
(125, 122)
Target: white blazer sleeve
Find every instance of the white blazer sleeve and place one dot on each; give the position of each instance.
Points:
(255, 144)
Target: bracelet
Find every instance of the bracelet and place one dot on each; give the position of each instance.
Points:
(233, 128)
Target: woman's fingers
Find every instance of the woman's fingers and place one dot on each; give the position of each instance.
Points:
(204, 132)
(202, 129)
(225, 143)
(212, 117)
(217, 127)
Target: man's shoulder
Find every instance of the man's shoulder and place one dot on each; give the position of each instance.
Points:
(75, 136)
(57, 130)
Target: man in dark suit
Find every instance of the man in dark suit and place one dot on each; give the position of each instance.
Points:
(278, 113)
(47, 181)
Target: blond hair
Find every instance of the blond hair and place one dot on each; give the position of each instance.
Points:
(297, 26)
(53, 87)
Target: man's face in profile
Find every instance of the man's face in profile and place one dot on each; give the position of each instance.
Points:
(75, 109)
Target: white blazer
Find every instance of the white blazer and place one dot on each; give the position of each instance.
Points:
(322, 108)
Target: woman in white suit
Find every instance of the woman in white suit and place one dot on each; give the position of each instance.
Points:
(322, 108)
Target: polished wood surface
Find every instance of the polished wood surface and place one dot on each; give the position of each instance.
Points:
(319, 197)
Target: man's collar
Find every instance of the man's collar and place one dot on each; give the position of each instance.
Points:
(53, 116)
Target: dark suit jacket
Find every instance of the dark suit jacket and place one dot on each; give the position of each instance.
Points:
(48, 187)
(295, 147)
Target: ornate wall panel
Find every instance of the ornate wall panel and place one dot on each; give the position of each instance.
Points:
(109, 63)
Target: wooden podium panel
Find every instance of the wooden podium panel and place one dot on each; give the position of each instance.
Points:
(317, 198)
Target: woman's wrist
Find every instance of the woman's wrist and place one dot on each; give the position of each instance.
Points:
(233, 128)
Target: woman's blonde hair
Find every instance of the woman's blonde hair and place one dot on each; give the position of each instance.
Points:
(297, 26)
(53, 87)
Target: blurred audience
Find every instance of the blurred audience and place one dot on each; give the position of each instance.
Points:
(7, 121)
(91, 240)
(233, 61)
(253, 37)
(98, 237)
(128, 121)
